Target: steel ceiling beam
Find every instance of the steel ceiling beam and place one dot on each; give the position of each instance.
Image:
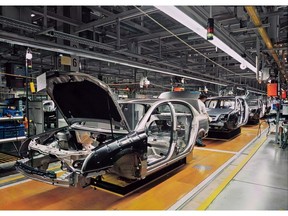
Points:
(44, 45)
(251, 10)
(161, 34)
(200, 15)
(112, 19)
(57, 17)
(127, 22)
(80, 40)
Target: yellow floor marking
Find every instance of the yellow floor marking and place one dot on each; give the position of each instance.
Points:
(11, 179)
(218, 190)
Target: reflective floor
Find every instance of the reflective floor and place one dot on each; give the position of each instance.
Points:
(262, 184)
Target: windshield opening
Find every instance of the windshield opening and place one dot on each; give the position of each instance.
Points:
(252, 103)
(133, 113)
(220, 103)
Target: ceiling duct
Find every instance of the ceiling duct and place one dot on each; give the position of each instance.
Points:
(257, 22)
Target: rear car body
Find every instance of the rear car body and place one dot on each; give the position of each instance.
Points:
(256, 109)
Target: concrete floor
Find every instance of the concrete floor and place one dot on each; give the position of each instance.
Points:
(262, 184)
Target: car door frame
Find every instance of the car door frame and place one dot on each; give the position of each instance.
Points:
(194, 128)
(245, 113)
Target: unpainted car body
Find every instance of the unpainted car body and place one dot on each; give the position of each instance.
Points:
(131, 139)
(192, 98)
(227, 113)
(256, 109)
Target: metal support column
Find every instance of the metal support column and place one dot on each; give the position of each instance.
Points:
(278, 110)
(45, 17)
(26, 103)
(118, 32)
(258, 59)
(160, 48)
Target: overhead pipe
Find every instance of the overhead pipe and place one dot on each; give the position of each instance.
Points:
(258, 60)
(251, 10)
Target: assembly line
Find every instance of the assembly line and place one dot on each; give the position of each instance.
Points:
(150, 107)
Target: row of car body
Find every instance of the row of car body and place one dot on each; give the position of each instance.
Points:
(228, 113)
(131, 138)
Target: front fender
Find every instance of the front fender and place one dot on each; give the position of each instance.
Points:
(232, 121)
(105, 156)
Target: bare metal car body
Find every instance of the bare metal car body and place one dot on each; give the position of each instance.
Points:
(227, 113)
(257, 109)
(192, 98)
(131, 139)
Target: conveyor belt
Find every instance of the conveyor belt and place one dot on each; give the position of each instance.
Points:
(159, 195)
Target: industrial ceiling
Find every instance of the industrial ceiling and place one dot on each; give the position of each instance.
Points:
(122, 44)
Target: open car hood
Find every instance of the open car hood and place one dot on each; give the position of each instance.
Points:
(81, 97)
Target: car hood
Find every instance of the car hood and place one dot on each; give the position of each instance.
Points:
(81, 97)
(218, 111)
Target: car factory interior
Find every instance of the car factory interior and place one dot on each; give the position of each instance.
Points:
(106, 107)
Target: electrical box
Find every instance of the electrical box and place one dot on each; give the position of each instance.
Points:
(272, 89)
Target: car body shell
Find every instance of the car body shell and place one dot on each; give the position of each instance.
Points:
(192, 98)
(100, 139)
(257, 109)
(227, 113)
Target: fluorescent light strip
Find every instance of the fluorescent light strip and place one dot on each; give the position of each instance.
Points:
(187, 21)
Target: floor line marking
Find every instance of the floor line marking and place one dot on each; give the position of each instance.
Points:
(190, 195)
(15, 183)
(12, 179)
(204, 205)
(262, 185)
(215, 150)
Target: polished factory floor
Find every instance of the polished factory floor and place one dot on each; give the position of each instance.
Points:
(197, 185)
(262, 184)
(259, 184)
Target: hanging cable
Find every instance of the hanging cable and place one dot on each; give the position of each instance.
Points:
(184, 42)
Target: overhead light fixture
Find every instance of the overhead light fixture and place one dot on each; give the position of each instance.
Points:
(91, 55)
(32, 15)
(243, 66)
(187, 21)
